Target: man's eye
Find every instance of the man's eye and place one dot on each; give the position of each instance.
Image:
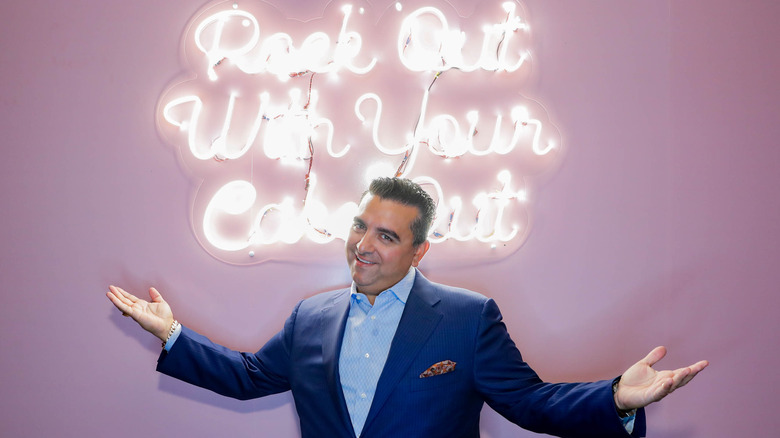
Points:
(358, 226)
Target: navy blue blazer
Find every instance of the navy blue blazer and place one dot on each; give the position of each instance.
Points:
(438, 323)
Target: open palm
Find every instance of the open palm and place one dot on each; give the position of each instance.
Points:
(154, 316)
(641, 385)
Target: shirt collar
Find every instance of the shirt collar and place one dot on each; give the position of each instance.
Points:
(401, 289)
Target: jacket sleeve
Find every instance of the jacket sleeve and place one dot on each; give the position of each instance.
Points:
(514, 390)
(196, 360)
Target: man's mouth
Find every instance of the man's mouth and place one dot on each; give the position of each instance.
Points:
(357, 257)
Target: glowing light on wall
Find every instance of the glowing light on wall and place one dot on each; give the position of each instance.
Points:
(431, 46)
(276, 54)
(269, 94)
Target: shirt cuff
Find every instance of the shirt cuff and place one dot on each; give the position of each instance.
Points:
(628, 422)
(172, 339)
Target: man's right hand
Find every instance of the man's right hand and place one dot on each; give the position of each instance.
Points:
(154, 316)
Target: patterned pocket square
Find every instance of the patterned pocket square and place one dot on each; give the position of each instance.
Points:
(443, 367)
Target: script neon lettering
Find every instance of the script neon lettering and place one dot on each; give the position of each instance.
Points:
(238, 113)
(286, 135)
(276, 54)
(444, 136)
(422, 47)
(283, 223)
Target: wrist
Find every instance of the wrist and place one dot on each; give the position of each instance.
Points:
(166, 335)
(622, 411)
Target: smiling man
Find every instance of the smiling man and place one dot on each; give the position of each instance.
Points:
(398, 355)
(388, 235)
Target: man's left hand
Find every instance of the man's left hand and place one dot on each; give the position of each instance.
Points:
(641, 385)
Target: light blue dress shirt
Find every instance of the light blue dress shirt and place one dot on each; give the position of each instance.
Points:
(367, 337)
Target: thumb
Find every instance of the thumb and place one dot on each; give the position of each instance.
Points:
(654, 356)
(155, 295)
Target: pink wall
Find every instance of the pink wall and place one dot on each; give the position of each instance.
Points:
(659, 227)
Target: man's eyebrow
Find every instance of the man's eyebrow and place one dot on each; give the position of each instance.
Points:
(357, 221)
(389, 232)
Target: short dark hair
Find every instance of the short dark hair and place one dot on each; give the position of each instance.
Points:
(407, 192)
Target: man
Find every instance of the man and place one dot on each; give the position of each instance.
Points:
(397, 355)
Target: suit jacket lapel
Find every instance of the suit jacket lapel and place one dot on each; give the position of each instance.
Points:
(417, 323)
(333, 320)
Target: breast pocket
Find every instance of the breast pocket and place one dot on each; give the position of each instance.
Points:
(440, 381)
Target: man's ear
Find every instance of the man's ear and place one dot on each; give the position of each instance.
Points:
(419, 252)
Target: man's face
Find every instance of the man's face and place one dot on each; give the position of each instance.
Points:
(379, 246)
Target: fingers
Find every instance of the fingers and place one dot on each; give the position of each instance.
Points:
(124, 308)
(114, 300)
(663, 388)
(680, 378)
(688, 373)
(121, 299)
(698, 366)
(122, 295)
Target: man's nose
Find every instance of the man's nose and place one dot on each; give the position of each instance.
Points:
(364, 245)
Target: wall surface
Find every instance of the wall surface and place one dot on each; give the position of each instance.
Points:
(659, 226)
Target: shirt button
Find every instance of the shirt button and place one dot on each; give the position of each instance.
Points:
(367, 355)
(363, 395)
(373, 316)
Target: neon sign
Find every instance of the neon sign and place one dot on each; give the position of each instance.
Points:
(286, 123)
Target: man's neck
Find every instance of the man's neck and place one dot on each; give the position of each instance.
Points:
(372, 295)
